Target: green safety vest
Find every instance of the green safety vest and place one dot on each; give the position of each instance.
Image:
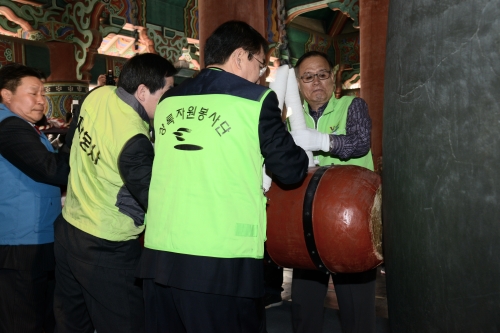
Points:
(333, 121)
(205, 196)
(105, 124)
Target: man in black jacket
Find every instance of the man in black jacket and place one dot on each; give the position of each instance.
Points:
(30, 200)
(96, 237)
(206, 224)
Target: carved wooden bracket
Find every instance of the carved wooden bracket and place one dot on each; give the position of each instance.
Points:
(338, 79)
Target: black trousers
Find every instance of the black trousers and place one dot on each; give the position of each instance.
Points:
(26, 301)
(355, 296)
(89, 297)
(172, 310)
(273, 279)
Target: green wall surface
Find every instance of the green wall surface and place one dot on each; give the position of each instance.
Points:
(167, 13)
(289, 4)
(98, 69)
(296, 43)
(37, 57)
(441, 156)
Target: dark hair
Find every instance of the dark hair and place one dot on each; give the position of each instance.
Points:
(149, 69)
(228, 37)
(11, 75)
(309, 55)
(43, 77)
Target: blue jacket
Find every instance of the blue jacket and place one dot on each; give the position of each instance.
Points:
(27, 208)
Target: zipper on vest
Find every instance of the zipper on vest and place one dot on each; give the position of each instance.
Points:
(307, 114)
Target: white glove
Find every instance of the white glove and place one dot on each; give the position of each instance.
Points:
(311, 140)
(56, 143)
(266, 180)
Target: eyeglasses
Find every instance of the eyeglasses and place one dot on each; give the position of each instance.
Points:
(309, 77)
(262, 66)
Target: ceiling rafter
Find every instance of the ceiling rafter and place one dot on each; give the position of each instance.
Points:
(338, 24)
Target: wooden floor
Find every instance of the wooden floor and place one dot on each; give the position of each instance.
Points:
(331, 299)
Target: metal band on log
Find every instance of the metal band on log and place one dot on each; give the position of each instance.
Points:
(308, 221)
(331, 222)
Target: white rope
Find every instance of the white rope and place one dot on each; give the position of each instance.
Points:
(296, 116)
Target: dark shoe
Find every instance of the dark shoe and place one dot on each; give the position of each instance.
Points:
(272, 300)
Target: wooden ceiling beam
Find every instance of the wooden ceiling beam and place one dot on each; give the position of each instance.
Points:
(30, 2)
(309, 23)
(295, 12)
(338, 24)
(313, 32)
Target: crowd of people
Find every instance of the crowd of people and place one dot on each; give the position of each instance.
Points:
(193, 185)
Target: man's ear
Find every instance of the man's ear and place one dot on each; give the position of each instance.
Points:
(6, 95)
(141, 92)
(238, 56)
(334, 79)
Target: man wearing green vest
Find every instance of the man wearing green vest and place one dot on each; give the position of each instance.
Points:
(338, 133)
(96, 237)
(206, 222)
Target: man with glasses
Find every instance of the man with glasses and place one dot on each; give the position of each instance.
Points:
(338, 133)
(206, 220)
